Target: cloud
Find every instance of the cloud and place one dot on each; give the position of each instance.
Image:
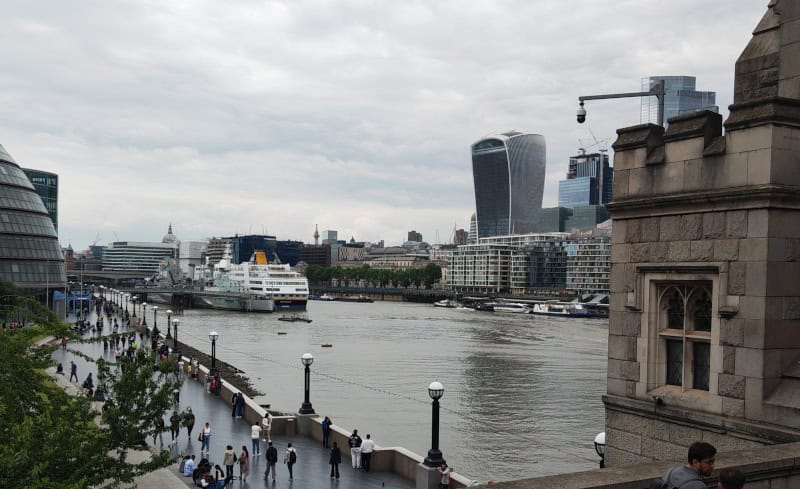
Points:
(354, 115)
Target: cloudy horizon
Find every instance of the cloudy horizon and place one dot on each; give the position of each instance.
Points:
(273, 116)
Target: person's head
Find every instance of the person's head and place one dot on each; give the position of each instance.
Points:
(701, 457)
(192, 457)
(368, 436)
(444, 465)
(290, 445)
(335, 445)
(270, 443)
(355, 432)
(229, 447)
(244, 449)
(207, 425)
(188, 409)
(731, 478)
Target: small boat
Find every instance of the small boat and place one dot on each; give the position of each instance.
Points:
(326, 297)
(293, 318)
(513, 307)
(354, 298)
(560, 309)
(281, 332)
(327, 345)
(446, 303)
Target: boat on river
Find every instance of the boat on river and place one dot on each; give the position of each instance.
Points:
(296, 317)
(446, 303)
(568, 309)
(513, 307)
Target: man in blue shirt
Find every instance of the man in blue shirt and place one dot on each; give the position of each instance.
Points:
(188, 467)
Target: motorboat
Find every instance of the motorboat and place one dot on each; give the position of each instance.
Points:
(513, 307)
(568, 309)
(293, 318)
(446, 303)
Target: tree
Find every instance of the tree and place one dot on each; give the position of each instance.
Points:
(48, 439)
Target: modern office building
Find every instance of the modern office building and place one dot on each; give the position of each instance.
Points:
(589, 181)
(460, 236)
(46, 185)
(472, 237)
(414, 236)
(288, 251)
(190, 255)
(243, 247)
(30, 255)
(571, 220)
(577, 192)
(589, 265)
(552, 219)
(508, 171)
(137, 256)
(330, 236)
(315, 254)
(681, 97)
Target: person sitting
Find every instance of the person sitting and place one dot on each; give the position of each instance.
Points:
(88, 385)
(188, 467)
(204, 467)
(60, 369)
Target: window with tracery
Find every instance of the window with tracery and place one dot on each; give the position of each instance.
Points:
(685, 311)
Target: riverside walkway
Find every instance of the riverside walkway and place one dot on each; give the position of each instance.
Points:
(310, 472)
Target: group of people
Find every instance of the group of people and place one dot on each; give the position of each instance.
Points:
(361, 451)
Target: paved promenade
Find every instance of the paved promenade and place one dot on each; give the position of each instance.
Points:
(311, 470)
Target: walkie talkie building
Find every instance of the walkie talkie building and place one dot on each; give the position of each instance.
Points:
(509, 171)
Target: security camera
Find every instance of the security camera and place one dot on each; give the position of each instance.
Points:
(581, 114)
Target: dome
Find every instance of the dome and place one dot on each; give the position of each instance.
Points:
(169, 237)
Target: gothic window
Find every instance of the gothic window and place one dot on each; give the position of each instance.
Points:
(685, 331)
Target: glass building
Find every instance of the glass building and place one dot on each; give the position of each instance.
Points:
(589, 181)
(577, 192)
(681, 97)
(508, 171)
(46, 185)
(30, 255)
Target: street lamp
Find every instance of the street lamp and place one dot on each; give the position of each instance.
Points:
(434, 458)
(213, 337)
(135, 300)
(169, 321)
(155, 321)
(600, 448)
(307, 360)
(175, 323)
(657, 90)
(126, 303)
(144, 313)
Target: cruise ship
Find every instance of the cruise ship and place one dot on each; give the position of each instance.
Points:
(257, 285)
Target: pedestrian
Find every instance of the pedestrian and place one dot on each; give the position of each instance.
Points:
(233, 406)
(444, 474)
(355, 449)
(290, 458)
(88, 385)
(205, 438)
(158, 431)
(367, 447)
(266, 425)
(176, 391)
(255, 434)
(60, 369)
(188, 422)
(239, 404)
(690, 476)
(64, 342)
(334, 460)
(174, 425)
(326, 431)
(244, 464)
(73, 371)
(229, 458)
(272, 459)
(731, 478)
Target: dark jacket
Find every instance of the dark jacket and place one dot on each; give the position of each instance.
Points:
(354, 441)
(272, 455)
(336, 456)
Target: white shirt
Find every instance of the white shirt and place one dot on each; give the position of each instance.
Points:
(255, 431)
(367, 446)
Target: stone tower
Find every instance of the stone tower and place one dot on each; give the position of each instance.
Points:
(704, 334)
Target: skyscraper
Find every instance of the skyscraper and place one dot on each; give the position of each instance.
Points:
(46, 185)
(508, 171)
(681, 97)
(589, 181)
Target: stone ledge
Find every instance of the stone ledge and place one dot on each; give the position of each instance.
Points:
(770, 110)
(703, 123)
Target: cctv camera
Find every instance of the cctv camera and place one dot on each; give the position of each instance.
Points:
(581, 114)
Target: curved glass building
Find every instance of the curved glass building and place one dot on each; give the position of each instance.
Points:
(509, 171)
(30, 255)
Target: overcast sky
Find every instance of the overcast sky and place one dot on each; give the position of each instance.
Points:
(242, 116)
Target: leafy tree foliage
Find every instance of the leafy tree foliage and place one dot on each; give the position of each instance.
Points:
(417, 277)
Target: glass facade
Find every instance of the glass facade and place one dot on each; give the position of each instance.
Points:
(508, 172)
(30, 255)
(681, 97)
(577, 192)
(46, 185)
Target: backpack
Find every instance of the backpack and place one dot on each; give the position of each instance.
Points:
(292, 457)
(662, 484)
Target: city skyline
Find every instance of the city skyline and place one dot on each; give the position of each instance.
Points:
(355, 116)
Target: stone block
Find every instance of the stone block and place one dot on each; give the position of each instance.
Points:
(668, 178)
(726, 249)
(641, 182)
(630, 276)
(783, 223)
(685, 149)
(617, 387)
(752, 307)
(737, 274)
(783, 279)
(618, 231)
(617, 278)
(633, 231)
(731, 386)
(731, 332)
(701, 250)
(679, 251)
(752, 139)
(749, 362)
(692, 226)
(627, 160)
(692, 173)
(791, 308)
(670, 228)
(786, 137)
(620, 253)
(622, 347)
(682, 435)
(757, 223)
(632, 324)
(784, 167)
(640, 252)
(625, 441)
(725, 442)
(616, 457)
(616, 420)
(732, 173)
(753, 333)
(756, 284)
(791, 251)
(736, 224)
(620, 369)
(714, 225)
(753, 249)
(620, 189)
(759, 167)
(728, 359)
(733, 407)
(661, 450)
(649, 227)
(654, 429)
(659, 252)
(780, 333)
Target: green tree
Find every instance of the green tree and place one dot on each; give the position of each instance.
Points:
(432, 273)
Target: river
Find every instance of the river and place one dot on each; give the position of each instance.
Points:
(522, 393)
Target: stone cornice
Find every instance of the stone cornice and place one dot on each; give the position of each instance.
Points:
(772, 110)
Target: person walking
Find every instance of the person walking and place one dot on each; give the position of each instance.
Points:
(73, 371)
(188, 421)
(255, 434)
(444, 474)
(334, 460)
(174, 425)
(266, 424)
(205, 438)
(272, 459)
(367, 447)
(326, 431)
(290, 458)
(244, 464)
(228, 459)
(239, 405)
(233, 406)
(355, 449)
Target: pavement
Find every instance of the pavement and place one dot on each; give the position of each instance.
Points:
(311, 471)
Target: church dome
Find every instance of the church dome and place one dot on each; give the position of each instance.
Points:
(169, 237)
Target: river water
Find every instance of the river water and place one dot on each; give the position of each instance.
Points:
(522, 393)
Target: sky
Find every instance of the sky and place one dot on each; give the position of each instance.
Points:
(355, 115)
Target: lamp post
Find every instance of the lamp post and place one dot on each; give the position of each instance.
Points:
(135, 300)
(175, 323)
(307, 360)
(155, 321)
(169, 321)
(434, 458)
(126, 303)
(144, 313)
(600, 448)
(213, 337)
(658, 90)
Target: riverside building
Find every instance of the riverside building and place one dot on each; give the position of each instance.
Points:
(508, 171)
(137, 256)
